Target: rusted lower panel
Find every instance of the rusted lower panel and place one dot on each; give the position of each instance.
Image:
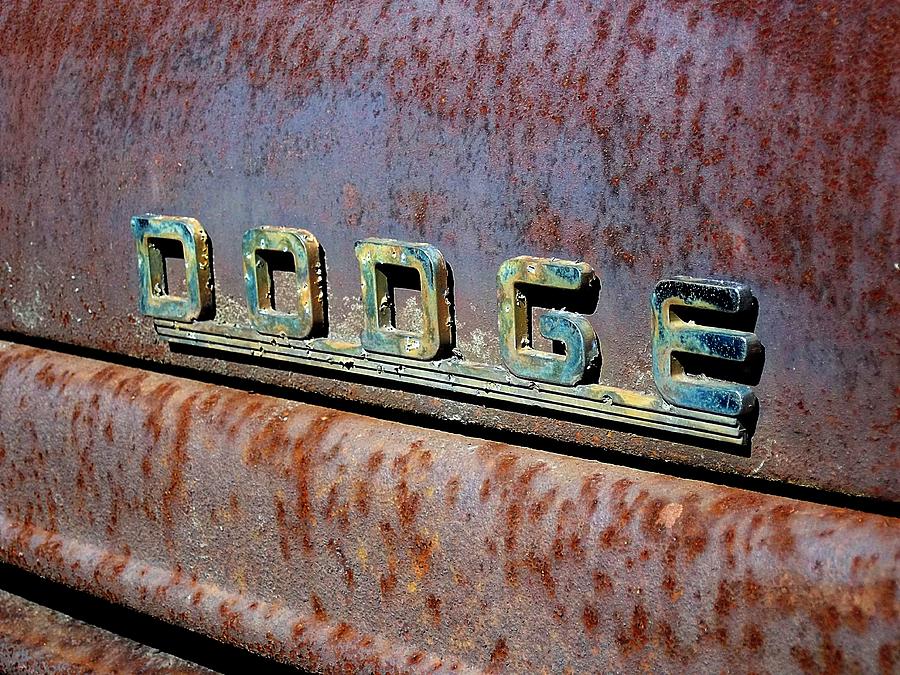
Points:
(34, 639)
(749, 141)
(340, 542)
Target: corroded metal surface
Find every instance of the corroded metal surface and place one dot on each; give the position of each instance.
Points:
(750, 141)
(37, 640)
(484, 384)
(341, 542)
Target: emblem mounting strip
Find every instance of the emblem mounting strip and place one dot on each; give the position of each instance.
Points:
(597, 402)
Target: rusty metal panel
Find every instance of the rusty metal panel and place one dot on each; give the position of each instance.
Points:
(346, 543)
(34, 639)
(749, 141)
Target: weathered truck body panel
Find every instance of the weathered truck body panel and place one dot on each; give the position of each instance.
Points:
(751, 146)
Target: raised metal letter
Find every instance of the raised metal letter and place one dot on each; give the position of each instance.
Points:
(299, 249)
(582, 350)
(382, 264)
(158, 238)
(672, 334)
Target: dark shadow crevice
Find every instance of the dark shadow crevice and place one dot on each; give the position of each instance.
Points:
(141, 628)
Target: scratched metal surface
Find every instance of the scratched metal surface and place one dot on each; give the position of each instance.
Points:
(37, 640)
(351, 544)
(755, 141)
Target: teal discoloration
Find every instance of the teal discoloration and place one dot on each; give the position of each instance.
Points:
(562, 380)
(307, 315)
(425, 258)
(568, 275)
(380, 334)
(672, 335)
(582, 349)
(151, 235)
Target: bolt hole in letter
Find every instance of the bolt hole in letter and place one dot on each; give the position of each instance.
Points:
(705, 355)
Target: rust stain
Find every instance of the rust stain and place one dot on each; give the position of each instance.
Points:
(499, 655)
(774, 182)
(176, 459)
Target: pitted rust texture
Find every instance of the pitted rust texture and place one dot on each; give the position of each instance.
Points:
(37, 640)
(340, 542)
(752, 141)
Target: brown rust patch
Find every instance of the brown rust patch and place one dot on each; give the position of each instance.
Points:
(250, 407)
(691, 528)
(781, 539)
(804, 659)
(301, 465)
(888, 657)
(176, 460)
(146, 466)
(156, 401)
(318, 608)
(269, 440)
(725, 600)
(590, 618)
(603, 584)
(388, 583)
(129, 384)
(46, 375)
(361, 496)
(450, 496)
(499, 655)
(231, 620)
(433, 605)
(513, 519)
(408, 503)
(485, 492)
(753, 638)
(375, 461)
(543, 570)
(342, 632)
(636, 637)
(422, 550)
